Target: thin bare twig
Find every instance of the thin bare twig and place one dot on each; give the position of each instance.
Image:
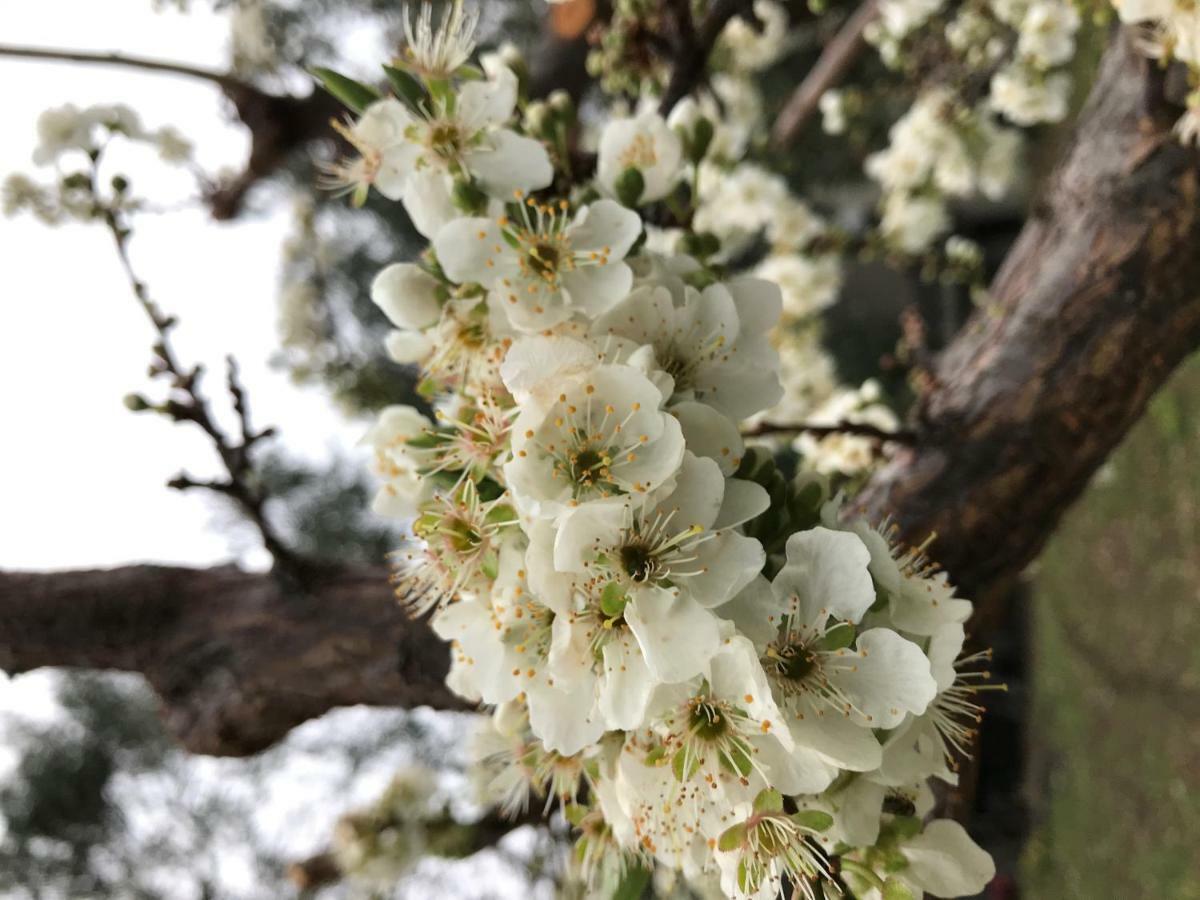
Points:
(835, 61)
(859, 429)
(56, 54)
(189, 404)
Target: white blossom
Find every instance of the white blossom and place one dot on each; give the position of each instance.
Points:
(544, 265)
(643, 143)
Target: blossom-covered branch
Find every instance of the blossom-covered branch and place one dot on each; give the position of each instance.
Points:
(711, 672)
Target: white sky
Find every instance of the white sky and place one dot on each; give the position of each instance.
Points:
(82, 480)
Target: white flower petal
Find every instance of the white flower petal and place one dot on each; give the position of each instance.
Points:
(491, 102)
(730, 561)
(509, 162)
(890, 678)
(743, 501)
(607, 227)
(464, 248)
(708, 433)
(677, 635)
(627, 683)
(407, 295)
(945, 862)
(428, 201)
(594, 289)
(826, 572)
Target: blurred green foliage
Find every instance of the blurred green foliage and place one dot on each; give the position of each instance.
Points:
(1115, 749)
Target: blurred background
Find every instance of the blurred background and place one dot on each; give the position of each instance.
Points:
(1089, 774)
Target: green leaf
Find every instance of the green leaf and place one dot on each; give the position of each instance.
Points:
(677, 765)
(629, 186)
(490, 489)
(354, 94)
(655, 754)
(613, 599)
(837, 637)
(633, 884)
(468, 198)
(575, 813)
(813, 819)
(768, 800)
(905, 827)
(732, 838)
(897, 890)
(737, 760)
(409, 90)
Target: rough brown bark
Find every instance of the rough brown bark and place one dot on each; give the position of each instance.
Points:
(237, 661)
(1097, 302)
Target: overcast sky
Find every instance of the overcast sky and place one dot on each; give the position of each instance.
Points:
(83, 479)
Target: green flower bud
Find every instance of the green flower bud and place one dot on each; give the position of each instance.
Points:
(700, 140)
(629, 186)
(136, 403)
(469, 198)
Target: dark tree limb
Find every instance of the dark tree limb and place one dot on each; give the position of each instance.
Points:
(1097, 302)
(236, 660)
(859, 429)
(188, 403)
(836, 59)
(695, 41)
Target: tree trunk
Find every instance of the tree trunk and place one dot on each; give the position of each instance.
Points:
(1096, 304)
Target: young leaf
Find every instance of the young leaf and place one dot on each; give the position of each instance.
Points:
(410, 91)
(732, 838)
(813, 819)
(633, 884)
(768, 800)
(354, 94)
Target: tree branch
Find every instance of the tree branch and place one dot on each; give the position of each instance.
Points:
(695, 43)
(236, 661)
(861, 429)
(188, 403)
(56, 54)
(1097, 302)
(835, 60)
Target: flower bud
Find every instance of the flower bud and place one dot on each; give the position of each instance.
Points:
(136, 403)
(468, 198)
(537, 117)
(629, 187)
(560, 101)
(407, 295)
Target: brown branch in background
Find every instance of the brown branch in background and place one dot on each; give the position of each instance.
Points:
(694, 42)
(55, 54)
(835, 61)
(188, 403)
(859, 429)
(1095, 305)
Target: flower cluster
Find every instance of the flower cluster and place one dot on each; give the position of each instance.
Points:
(67, 131)
(1171, 33)
(587, 524)
(982, 66)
